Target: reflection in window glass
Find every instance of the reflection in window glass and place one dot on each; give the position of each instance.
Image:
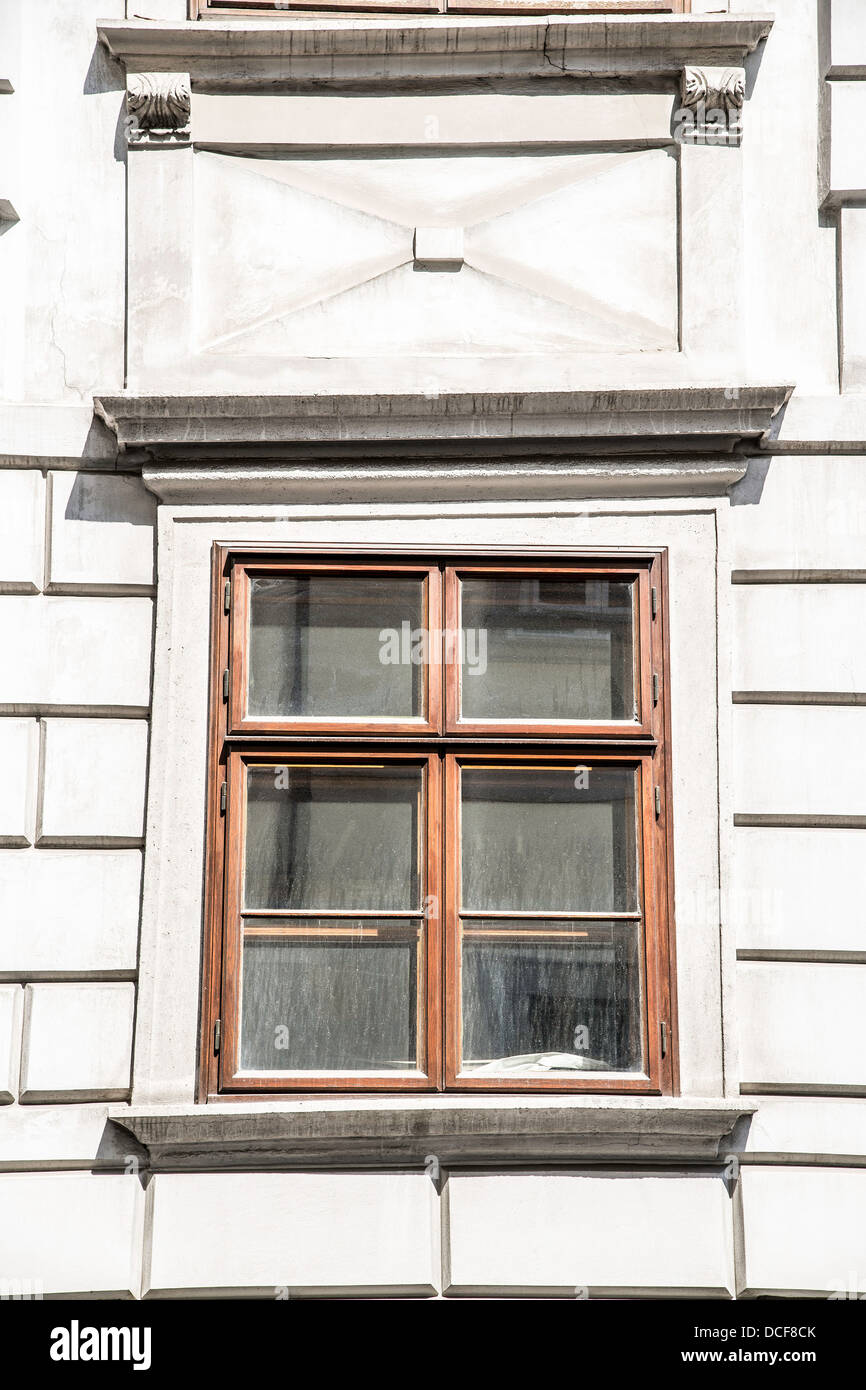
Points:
(551, 1000)
(336, 648)
(333, 839)
(549, 840)
(554, 649)
(327, 1001)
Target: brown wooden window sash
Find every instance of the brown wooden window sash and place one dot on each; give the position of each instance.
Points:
(203, 9)
(436, 933)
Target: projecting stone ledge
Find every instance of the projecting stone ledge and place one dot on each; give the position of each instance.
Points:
(381, 48)
(657, 419)
(395, 1132)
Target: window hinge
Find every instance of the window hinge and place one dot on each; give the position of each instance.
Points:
(654, 600)
(655, 688)
(658, 800)
(227, 596)
(223, 799)
(663, 1028)
(226, 683)
(217, 1034)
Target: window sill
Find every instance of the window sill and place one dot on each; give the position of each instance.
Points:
(397, 1132)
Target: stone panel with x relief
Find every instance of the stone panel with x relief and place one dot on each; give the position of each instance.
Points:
(436, 253)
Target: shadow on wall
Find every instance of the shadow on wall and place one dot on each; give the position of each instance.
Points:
(100, 446)
(105, 74)
(747, 492)
(128, 503)
(119, 1152)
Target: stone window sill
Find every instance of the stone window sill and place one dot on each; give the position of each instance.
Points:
(399, 1132)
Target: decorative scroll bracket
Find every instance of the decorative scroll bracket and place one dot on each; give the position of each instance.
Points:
(711, 106)
(158, 108)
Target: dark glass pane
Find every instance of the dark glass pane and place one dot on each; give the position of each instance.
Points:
(549, 840)
(555, 1000)
(336, 648)
(332, 839)
(341, 1002)
(547, 649)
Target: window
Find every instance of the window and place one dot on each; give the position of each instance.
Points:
(284, 8)
(440, 825)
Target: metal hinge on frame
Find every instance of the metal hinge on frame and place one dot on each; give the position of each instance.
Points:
(658, 800)
(655, 688)
(654, 600)
(663, 1030)
(217, 1034)
(223, 799)
(227, 596)
(226, 683)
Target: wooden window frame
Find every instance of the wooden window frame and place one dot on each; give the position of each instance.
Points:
(641, 727)
(235, 742)
(428, 1004)
(261, 9)
(239, 722)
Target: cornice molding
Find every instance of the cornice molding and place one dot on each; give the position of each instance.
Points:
(439, 479)
(256, 52)
(383, 1132)
(655, 420)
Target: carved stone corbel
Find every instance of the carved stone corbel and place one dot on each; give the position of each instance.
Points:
(158, 108)
(711, 106)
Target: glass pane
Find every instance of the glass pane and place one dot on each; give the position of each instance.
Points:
(345, 1001)
(551, 998)
(549, 840)
(333, 839)
(348, 647)
(547, 649)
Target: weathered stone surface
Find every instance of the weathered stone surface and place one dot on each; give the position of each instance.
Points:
(475, 1130)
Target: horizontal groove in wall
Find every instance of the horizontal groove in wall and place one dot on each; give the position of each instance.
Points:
(66, 463)
(75, 711)
(66, 977)
(311, 1293)
(19, 587)
(798, 577)
(816, 957)
(792, 822)
(100, 590)
(14, 842)
(798, 697)
(647, 1292)
(797, 1088)
(781, 1159)
(90, 842)
(60, 1165)
(73, 1097)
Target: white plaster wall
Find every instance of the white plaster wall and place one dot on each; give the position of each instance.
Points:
(77, 580)
(805, 1232)
(63, 262)
(302, 1233)
(572, 1234)
(790, 328)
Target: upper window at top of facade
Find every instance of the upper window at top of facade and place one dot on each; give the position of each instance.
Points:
(200, 9)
